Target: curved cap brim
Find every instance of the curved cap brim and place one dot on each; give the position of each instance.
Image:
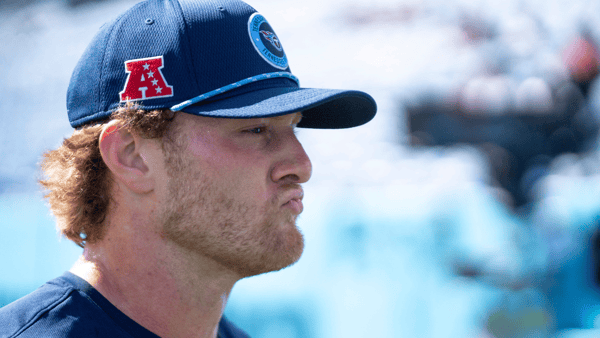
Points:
(321, 108)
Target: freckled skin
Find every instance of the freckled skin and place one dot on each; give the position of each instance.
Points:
(228, 181)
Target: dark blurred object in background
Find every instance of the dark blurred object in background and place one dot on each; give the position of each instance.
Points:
(74, 3)
(475, 29)
(520, 127)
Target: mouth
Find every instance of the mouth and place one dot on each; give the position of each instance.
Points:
(294, 201)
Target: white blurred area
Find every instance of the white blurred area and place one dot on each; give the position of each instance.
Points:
(401, 241)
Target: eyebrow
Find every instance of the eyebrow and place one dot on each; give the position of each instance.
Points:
(297, 118)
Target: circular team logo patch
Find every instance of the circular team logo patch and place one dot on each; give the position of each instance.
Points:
(266, 41)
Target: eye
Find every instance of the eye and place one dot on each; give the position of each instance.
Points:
(256, 130)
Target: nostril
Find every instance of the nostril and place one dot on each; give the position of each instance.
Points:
(289, 179)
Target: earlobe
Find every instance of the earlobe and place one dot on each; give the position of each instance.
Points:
(120, 150)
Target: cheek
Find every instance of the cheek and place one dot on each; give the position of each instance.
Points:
(241, 171)
(218, 156)
(202, 146)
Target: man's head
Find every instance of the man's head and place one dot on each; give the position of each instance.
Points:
(185, 111)
(228, 189)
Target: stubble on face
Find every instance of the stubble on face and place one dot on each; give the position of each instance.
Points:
(210, 218)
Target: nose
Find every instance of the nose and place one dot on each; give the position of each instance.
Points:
(294, 165)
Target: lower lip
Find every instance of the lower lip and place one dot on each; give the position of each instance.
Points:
(295, 205)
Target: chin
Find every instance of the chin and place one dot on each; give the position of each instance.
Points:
(278, 251)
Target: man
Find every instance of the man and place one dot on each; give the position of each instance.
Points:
(182, 176)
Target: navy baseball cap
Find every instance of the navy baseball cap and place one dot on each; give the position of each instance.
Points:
(217, 58)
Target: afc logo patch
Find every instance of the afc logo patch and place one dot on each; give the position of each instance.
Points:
(145, 80)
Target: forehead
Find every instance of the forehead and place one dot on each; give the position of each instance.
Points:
(195, 120)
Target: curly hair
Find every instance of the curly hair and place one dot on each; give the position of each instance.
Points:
(77, 179)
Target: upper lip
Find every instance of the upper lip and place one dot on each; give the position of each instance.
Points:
(294, 194)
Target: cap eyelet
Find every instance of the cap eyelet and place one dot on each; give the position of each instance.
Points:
(149, 21)
(221, 8)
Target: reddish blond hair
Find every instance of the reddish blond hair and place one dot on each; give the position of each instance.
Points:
(77, 180)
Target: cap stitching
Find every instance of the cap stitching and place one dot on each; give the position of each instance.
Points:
(103, 66)
(186, 35)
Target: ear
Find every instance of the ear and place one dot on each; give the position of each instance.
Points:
(121, 150)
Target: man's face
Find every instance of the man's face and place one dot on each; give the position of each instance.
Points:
(233, 190)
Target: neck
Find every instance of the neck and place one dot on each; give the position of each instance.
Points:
(164, 288)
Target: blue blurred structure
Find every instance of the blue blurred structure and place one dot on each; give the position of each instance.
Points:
(524, 127)
(30, 247)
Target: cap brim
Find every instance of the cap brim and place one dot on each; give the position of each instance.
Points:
(321, 108)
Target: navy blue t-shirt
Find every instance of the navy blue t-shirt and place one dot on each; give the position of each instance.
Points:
(68, 306)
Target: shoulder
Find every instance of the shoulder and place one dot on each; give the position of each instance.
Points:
(57, 309)
(228, 330)
(18, 316)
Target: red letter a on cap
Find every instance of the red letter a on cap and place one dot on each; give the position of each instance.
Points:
(145, 80)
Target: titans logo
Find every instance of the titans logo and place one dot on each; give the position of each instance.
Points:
(266, 43)
(272, 38)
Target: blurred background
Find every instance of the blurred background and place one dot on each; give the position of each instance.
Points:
(469, 207)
